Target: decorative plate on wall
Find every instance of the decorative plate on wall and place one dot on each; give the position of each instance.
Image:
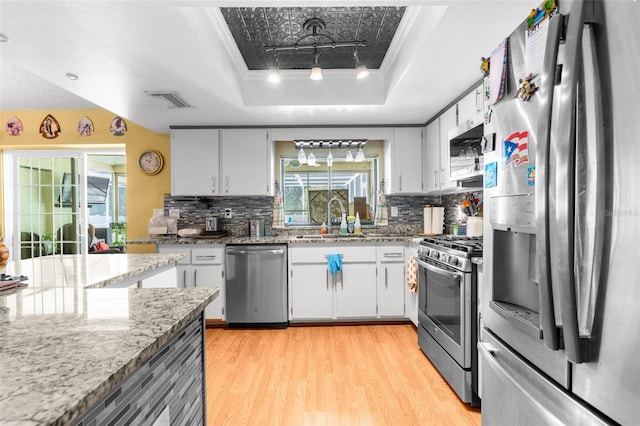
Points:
(50, 128)
(14, 126)
(118, 126)
(85, 126)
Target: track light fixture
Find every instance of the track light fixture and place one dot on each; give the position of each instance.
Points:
(316, 70)
(361, 69)
(315, 26)
(359, 155)
(274, 74)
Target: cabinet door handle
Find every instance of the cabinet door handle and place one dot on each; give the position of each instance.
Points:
(327, 279)
(400, 179)
(195, 278)
(184, 278)
(205, 257)
(342, 279)
(392, 255)
(435, 178)
(386, 281)
(213, 184)
(226, 184)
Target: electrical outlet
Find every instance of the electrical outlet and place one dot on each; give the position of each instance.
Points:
(394, 211)
(228, 214)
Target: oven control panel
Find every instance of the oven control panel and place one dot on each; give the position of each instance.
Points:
(458, 262)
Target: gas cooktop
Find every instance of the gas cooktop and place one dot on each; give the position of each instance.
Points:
(455, 251)
(469, 246)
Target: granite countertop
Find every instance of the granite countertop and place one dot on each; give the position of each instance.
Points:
(280, 239)
(89, 270)
(65, 340)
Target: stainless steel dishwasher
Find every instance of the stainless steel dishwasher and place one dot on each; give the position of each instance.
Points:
(256, 285)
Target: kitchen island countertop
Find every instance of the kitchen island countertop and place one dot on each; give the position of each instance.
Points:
(66, 341)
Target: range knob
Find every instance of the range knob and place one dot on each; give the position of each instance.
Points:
(444, 258)
(454, 261)
(434, 254)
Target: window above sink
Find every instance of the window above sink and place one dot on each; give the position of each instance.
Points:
(306, 189)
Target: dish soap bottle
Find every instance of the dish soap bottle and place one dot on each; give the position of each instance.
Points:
(324, 229)
(357, 227)
(343, 224)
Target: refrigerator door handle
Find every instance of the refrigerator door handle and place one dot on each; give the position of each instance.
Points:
(546, 91)
(591, 184)
(579, 124)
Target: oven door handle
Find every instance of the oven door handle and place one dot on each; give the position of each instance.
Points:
(440, 271)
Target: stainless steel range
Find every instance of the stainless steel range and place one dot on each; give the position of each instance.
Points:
(448, 310)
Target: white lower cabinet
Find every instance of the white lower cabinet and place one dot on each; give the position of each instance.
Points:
(356, 291)
(316, 294)
(391, 281)
(202, 266)
(310, 292)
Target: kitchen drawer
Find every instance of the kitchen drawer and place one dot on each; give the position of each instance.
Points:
(391, 254)
(208, 256)
(186, 260)
(349, 254)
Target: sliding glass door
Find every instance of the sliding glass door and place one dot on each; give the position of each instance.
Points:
(51, 196)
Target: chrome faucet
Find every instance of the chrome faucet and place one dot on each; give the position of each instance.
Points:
(329, 211)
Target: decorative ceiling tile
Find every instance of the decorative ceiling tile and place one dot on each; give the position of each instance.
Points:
(254, 28)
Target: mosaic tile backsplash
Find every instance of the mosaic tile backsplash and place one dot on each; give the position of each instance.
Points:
(194, 210)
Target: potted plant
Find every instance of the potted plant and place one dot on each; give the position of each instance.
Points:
(119, 230)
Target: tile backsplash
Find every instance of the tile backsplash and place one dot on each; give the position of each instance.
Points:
(194, 210)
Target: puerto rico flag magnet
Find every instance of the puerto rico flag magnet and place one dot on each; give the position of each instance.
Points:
(516, 149)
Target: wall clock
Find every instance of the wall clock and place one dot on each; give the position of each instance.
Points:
(151, 162)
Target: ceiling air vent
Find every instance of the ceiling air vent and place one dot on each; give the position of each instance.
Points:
(170, 99)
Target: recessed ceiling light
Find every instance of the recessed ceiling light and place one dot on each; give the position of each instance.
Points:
(71, 76)
(3, 38)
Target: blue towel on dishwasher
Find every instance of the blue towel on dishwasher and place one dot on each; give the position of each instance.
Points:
(335, 263)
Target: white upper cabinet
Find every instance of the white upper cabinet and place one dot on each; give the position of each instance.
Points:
(471, 104)
(448, 120)
(195, 162)
(431, 157)
(245, 162)
(403, 161)
(221, 162)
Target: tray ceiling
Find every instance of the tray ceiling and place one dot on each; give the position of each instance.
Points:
(253, 28)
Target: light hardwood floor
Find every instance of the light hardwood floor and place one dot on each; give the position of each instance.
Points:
(333, 375)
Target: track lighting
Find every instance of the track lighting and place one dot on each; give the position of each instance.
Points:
(316, 70)
(302, 157)
(311, 159)
(320, 41)
(274, 74)
(361, 69)
(359, 155)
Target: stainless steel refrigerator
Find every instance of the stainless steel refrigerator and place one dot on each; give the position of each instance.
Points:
(561, 296)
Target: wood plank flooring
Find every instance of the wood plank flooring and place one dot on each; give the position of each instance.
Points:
(333, 375)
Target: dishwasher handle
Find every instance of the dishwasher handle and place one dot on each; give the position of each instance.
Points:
(254, 252)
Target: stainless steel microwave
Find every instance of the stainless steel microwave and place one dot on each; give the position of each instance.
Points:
(466, 147)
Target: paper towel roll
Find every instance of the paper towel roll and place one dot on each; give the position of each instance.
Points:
(427, 220)
(437, 220)
(474, 226)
